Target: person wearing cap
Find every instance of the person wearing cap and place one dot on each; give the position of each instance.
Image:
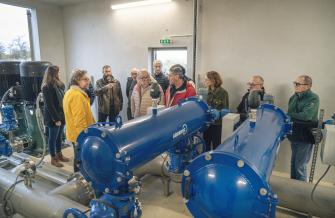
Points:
(179, 87)
(159, 76)
(256, 84)
(303, 109)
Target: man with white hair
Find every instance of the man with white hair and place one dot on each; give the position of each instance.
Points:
(303, 109)
(159, 76)
(256, 84)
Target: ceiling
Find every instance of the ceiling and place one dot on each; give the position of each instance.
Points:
(64, 2)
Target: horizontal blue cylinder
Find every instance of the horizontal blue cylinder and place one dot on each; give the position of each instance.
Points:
(259, 145)
(107, 154)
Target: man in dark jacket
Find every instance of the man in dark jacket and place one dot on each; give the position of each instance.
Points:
(303, 109)
(159, 76)
(131, 82)
(256, 84)
(110, 100)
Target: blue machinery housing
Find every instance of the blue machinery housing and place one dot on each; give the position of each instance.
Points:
(8, 124)
(233, 178)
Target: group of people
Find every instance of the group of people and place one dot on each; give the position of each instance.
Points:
(73, 107)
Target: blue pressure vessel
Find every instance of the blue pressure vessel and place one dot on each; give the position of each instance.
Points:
(232, 181)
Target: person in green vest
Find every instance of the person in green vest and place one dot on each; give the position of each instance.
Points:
(217, 99)
(303, 109)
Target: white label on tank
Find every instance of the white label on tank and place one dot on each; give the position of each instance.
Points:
(183, 131)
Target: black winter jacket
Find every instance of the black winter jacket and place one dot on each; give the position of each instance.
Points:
(162, 80)
(53, 104)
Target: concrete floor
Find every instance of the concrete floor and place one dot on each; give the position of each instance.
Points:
(155, 204)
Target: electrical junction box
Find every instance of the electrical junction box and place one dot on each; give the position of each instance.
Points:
(328, 145)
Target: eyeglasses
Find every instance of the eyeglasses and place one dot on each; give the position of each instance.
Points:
(85, 79)
(297, 84)
(145, 77)
(254, 84)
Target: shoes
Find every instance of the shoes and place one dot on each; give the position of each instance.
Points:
(55, 162)
(62, 158)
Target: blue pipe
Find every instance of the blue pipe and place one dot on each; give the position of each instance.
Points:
(232, 181)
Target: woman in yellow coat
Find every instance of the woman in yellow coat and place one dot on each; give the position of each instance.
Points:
(77, 108)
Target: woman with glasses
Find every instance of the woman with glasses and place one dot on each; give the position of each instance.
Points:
(217, 99)
(140, 98)
(53, 93)
(77, 108)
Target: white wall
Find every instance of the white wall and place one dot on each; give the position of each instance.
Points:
(95, 35)
(50, 31)
(276, 39)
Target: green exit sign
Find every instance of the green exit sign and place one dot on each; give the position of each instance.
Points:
(165, 41)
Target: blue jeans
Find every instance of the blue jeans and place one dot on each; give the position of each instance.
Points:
(55, 139)
(301, 154)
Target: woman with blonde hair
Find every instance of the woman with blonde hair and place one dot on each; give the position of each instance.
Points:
(77, 108)
(53, 93)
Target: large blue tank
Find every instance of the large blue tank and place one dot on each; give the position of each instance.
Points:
(107, 155)
(232, 181)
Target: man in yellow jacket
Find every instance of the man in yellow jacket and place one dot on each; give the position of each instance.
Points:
(77, 109)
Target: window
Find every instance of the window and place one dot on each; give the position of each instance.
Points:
(14, 35)
(169, 57)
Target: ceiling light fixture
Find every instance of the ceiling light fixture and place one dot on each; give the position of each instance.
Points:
(139, 3)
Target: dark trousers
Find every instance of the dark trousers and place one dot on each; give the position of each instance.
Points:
(55, 136)
(129, 115)
(111, 116)
(75, 159)
(212, 136)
